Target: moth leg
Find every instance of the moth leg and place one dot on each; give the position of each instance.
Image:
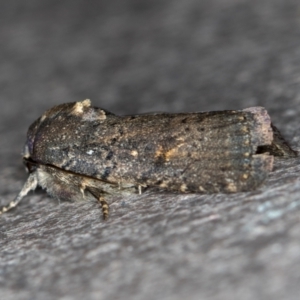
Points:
(105, 207)
(98, 194)
(29, 185)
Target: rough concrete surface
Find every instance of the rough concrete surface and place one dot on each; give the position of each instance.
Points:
(134, 56)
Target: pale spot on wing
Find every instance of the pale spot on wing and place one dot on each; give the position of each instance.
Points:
(90, 152)
(201, 188)
(245, 176)
(134, 153)
(231, 187)
(183, 188)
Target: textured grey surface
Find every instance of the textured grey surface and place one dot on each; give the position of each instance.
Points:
(136, 56)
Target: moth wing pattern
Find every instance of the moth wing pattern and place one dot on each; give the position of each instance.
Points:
(198, 152)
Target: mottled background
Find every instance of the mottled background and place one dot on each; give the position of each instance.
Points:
(134, 56)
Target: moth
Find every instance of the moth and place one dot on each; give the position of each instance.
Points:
(78, 152)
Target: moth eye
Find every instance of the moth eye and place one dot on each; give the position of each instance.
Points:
(30, 164)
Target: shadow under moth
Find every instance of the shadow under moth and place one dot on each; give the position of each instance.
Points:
(75, 151)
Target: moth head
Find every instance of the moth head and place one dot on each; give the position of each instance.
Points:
(36, 140)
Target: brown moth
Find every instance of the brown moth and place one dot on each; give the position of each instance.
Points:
(75, 151)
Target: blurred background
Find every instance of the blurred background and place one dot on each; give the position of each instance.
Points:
(137, 56)
(133, 56)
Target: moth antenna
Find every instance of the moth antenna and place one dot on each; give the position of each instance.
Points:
(30, 185)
